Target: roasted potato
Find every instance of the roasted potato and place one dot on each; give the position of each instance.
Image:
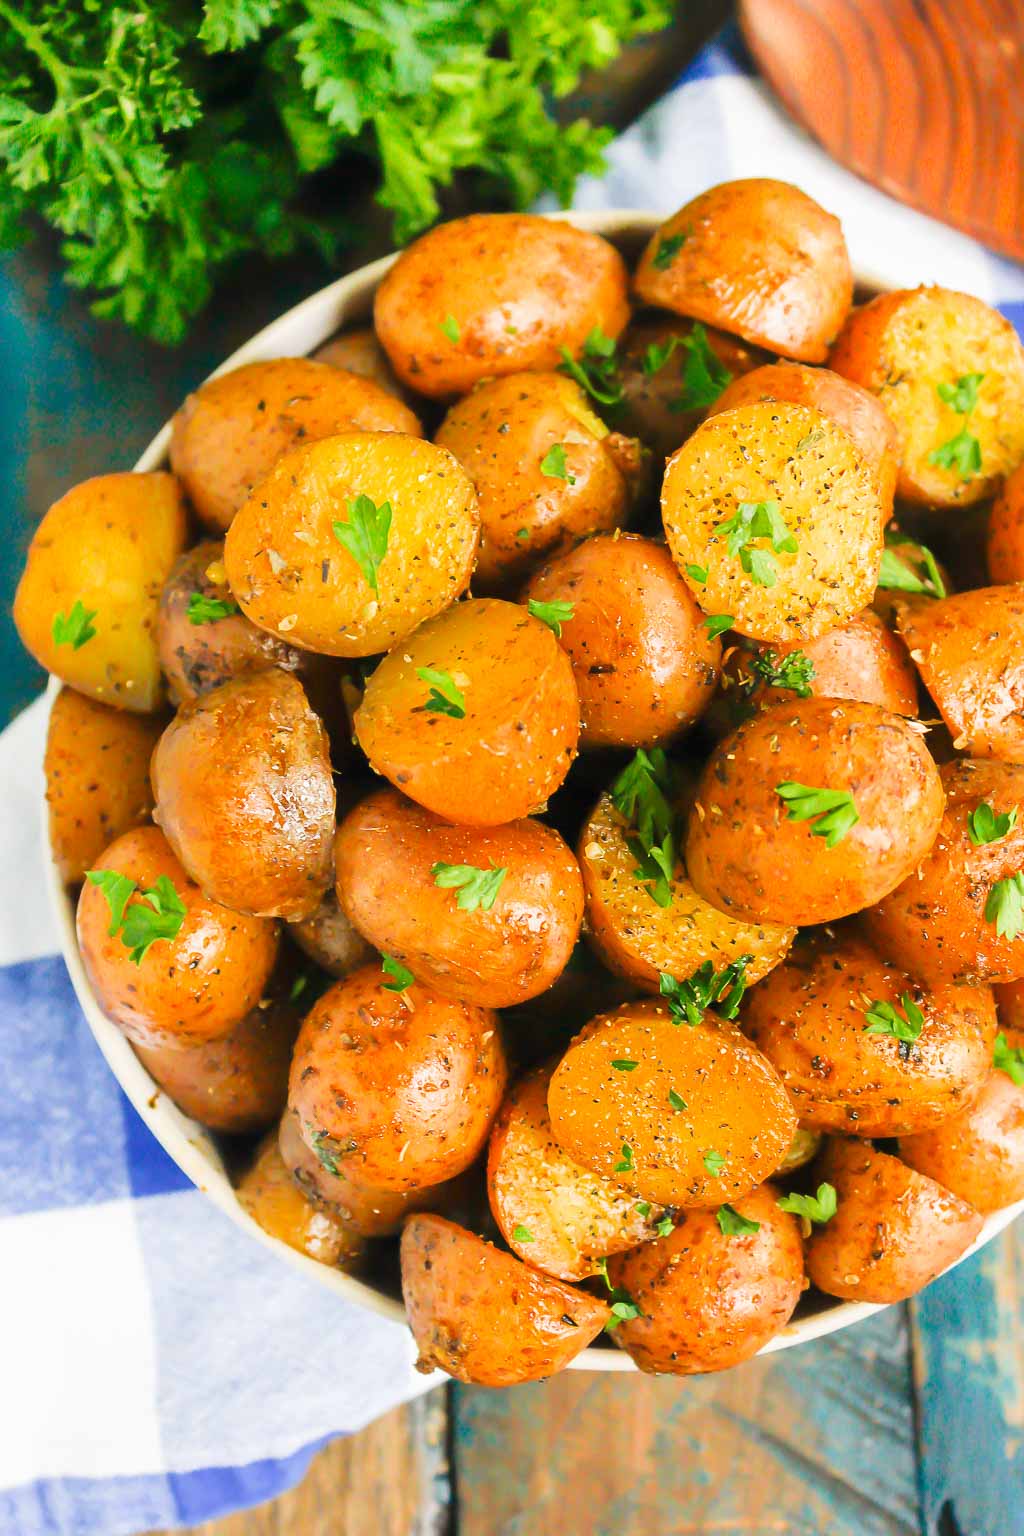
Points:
(978, 1154)
(501, 736)
(544, 468)
(803, 1149)
(949, 370)
(773, 517)
(86, 603)
(400, 1088)
(864, 1049)
(757, 257)
(554, 1213)
(245, 795)
(1004, 548)
(893, 1232)
(638, 939)
(275, 1202)
(496, 293)
(189, 986)
(702, 1117)
(644, 663)
(710, 1298)
(97, 778)
(230, 433)
(485, 1317)
(969, 650)
(935, 922)
(351, 542)
(812, 810)
(328, 937)
(486, 914)
(360, 352)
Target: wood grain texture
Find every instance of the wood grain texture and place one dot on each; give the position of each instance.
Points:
(817, 1441)
(924, 98)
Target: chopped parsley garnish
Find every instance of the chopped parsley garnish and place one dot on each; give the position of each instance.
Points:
(831, 811)
(75, 628)
(962, 396)
(717, 623)
(476, 887)
(553, 464)
(207, 610)
(885, 1019)
(704, 374)
(554, 615)
(665, 1227)
(444, 697)
(733, 1224)
(158, 915)
(658, 354)
(622, 1304)
(401, 977)
(668, 249)
(522, 1234)
(795, 671)
(626, 1165)
(758, 520)
(820, 1207)
(723, 990)
(714, 1162)
(324, 1153)
(643, 1208)
(676, 1100)
(984, 825)
(697, 573)
(641, 795)
(897, 573)
(1009, 1059)
(298, 986)
(450, 327)
(1005, 906)
(597, 370)
(962, 452)
(365, 535)
(625, 1065)
(655, 867)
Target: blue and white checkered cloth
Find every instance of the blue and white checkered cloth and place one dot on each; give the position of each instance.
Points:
(157, 1366)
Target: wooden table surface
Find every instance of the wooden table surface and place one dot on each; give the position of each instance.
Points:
(910, 1423)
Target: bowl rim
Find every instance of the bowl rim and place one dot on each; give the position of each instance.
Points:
(298, 332)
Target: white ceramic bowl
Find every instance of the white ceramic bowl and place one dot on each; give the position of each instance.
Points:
(302, 330)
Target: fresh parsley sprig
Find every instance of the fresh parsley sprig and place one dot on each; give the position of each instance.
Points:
(477, 888)
(883, 1018)
(705, 376)
(445, 697)
(365, 535)
(642, 795)
(158, 915)
(758, 520)
(831, 812)
(596, 370)
(207, 610)
(818, 1208)
(722, 990)
(1004, 906)
(961, 452)
(984, 825)
(794, 672)
(623, 1308)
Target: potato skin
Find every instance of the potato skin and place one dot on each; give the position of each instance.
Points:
(272, 1198)
(849, 405)
(934, 922)
(709, 1300)
(574, 1217)
(328, 937)
(229, 434)
(485, 1317)
(638, 939)
(969, 650)
(518, 287)
(809, 1017)
(736, 1106)
(109, 544)
(292, 575)
(894, 1230)
(901, 346)
(501, 434)
(644, 663)
(979, 1153)
(360, 352)
(522, 713)
(398, 1088)
(245, 795)
(1005, 536)
(188, 990)
(747, 857)
(97, 778)
(385, 852)
(759, 258)
(826, 493)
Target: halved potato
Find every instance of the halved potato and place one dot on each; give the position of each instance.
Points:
(274, 1200)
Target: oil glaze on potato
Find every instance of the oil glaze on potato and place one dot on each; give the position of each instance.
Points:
(498, 955)
(800, 464)
(810, 1018)
(275, 1201)
(638, 939)
(893, 1232)
(644, 663)
(496, 293)
(294, 577)
(709, 1299)
(935, 922)
(399, 1088)
(97, 778)
(245, 795)
(757, 257)
(100, 556)
(485, 1317)
(554, 1213)
(186, 990)
(746, 856)
(978, 1154)
(516, 741)
(229, 434)
(734, 1130)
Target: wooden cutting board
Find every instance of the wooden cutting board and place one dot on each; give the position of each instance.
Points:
(924, 98)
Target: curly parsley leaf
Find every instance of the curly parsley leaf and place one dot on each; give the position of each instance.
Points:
(1009, 1059)
(207, 610)
(831, 811)
(596, 370)
(444, 698)
(158, 915)
(722, 990)
(1004, 906)
(984, 825)
(819, 1208)
(705, 376)
(477, 888)
(553, 614)
(733, 1224)
(75, 628)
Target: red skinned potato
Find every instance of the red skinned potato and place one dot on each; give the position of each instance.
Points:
(494, 941)
(496, 293)
(276, 1203)
(229, 434)
(893, 1232)
(328, 937)
(1005, 539)
(746, 851)
(644, 663)
(397, 1088)
(516, 740)
(824, 1019)
(710, 1299)
(189, 989)
(979, 1153)
(360, 352)
(969, 650)
(757, 257)
(935, 922)
(245, 795)
(485, 1317)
